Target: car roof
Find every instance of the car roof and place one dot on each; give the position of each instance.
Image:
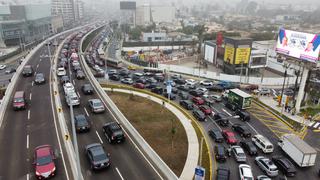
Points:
(247, 171)
(95, 100)
(43, 150)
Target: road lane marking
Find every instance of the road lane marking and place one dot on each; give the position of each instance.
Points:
(37, 66)
(28, 141)
(226, 112)
(85, 110)
(28, 114)
(119, 174)
(35, 73)
(252, 128)
(32, 83)
(30, 96)
(28, 176)
(99, 137)
(40, 60)
(78, 94)
(73, 82)
(214, 122)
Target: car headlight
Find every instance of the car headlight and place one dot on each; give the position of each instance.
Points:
(37, 173)
(54, 169)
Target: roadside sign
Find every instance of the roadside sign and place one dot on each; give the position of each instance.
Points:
(199, 173)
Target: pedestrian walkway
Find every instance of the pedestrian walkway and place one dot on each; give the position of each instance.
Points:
(193, 144)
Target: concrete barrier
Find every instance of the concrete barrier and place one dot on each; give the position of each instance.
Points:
(143, 146)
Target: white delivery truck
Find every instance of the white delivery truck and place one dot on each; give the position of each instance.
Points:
(299, 151)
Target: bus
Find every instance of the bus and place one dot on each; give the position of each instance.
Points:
(114, 63)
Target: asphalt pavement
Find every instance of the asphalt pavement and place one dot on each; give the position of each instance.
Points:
(24, 130)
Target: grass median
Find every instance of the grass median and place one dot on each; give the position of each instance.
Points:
(158, 126)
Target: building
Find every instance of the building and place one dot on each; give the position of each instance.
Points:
(154, 36)
(146, 14)
(24, 24)
(70, 10)
(81, 9)
(56, 24)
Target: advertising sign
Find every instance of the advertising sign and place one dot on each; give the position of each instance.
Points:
(199, 173)
(300, 45)
(242, 55)
(127, 5)
(209, 53)
(228, 54)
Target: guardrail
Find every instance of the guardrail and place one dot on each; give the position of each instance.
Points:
(143, 146)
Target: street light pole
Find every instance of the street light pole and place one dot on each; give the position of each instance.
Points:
(241, 72)
(286, 66)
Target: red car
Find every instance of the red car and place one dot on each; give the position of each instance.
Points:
(198, 100)
(206, 109)
(138, 85)
(229, 137)
(44, 162)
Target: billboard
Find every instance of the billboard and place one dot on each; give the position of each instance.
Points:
(300, 45)
(228, 54)
(209, 53)
(127, 5)
(242, 55)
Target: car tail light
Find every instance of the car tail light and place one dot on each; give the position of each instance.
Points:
(112, 137)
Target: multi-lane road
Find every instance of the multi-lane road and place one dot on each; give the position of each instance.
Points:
(24, 130)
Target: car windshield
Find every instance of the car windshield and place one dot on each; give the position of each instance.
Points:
(18, 100)
(44, 160)
(100, 157)
(97, 104)
(82, 121)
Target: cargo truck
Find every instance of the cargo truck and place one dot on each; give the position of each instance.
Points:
(298, 150)
(239, 98)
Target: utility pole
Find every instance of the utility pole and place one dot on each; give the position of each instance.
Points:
(286, 66)
(241, 71)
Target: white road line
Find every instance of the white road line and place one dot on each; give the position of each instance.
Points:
(119, 174)
(214, 122)
(30, 96)
(226, 112)
(32, 83)
(28, 114)
(40, 60)
(28, 177)
(28, 141)
(37, 66)
(78, 94)
(99, 137)
(316, 125)
(73, 82)
(252, 128)
(85, 110)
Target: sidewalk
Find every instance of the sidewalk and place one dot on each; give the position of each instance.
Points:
(193, 144)
(274, 105)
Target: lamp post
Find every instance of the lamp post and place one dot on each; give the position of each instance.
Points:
(241, 71)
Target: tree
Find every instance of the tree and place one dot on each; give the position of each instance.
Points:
(135, 33)
(200, 29)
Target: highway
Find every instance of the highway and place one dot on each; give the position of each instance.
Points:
(126, 160)
(22, 131)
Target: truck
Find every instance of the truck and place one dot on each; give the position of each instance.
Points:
(239, 98)
(298, 150)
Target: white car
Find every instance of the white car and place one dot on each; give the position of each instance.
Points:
(72, 99)
(267, 166)
(191, 82)
(245, 172)
(206, 83)
(68, 88)
(2, 66)
(61, 72)
(75, 63)
(238, 154)
(204, 90)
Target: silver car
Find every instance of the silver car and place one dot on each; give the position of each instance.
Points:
(96, 105)
(39, 78)
(267, 166)
(238, 153)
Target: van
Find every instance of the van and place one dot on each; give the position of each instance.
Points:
(262, 143)
(19, 100)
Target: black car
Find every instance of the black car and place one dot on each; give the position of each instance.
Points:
(87, 89)
(77, 68)
(64, 79)
(223, 173)
(186, 104)
(183, 95)
(220, 153)
(196, 93)
(10, 70)
(159, 78)
(183, 88)
(80, 74)
(151, 86)
(27, 71)
(215, 87)
(124, 72)
(172, 96)
(179, 81)
(114, 77)
(141, 80)
(231, 106)
(249, 147)
(221, 119)
(284, 165)
(199, 115)
(157, 90)
(244, 116)
(113, 132)
(242, 130)
(151, 80)
(97, 157)
(216, 135)
(81, 123)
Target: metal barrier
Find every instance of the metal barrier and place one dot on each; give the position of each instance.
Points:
(143, 146)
